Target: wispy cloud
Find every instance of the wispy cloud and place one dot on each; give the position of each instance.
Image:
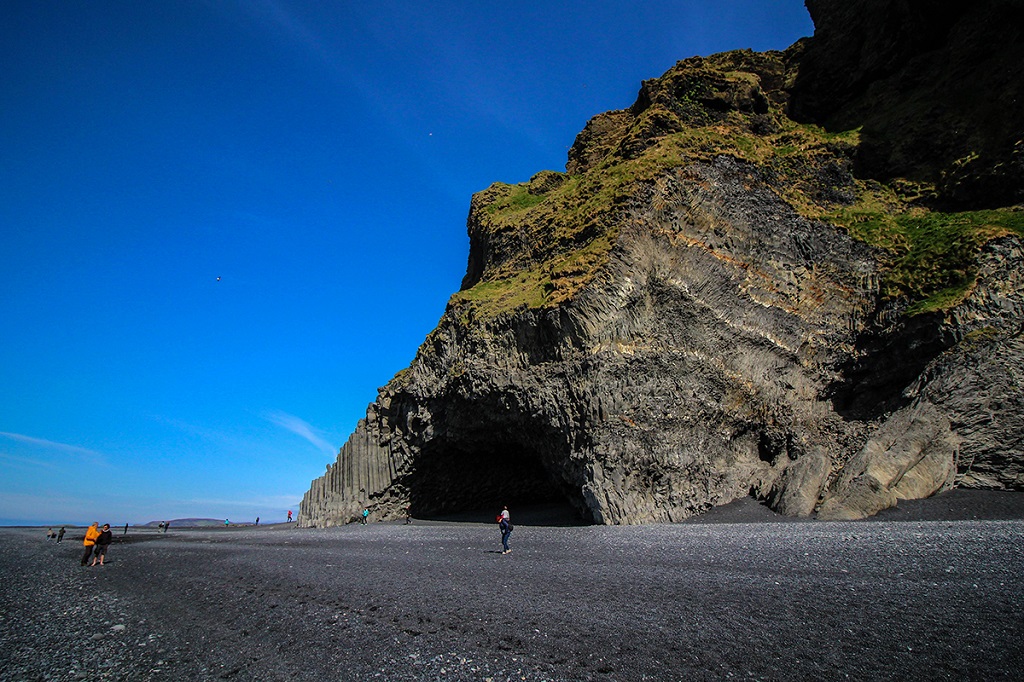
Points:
(90, 456)
(38, 463)
(302, 429)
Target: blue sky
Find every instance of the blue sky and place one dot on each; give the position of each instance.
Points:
(225, 224)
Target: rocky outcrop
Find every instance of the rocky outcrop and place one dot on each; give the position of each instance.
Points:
(711, 303)
(936, 86)
(962, 422)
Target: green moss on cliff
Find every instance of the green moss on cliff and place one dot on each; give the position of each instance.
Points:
(566, 229)
(527, 289)
(558, 230)
(929, 255)
(518, 198)
(545, 285)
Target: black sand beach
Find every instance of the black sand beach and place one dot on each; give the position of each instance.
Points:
(928, 591)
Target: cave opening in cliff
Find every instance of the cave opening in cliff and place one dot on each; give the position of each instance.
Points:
(481, 466)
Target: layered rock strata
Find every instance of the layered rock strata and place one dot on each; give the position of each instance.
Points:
(710, 303)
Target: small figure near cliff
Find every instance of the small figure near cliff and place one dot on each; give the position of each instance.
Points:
(366, 514)
(289, 516)
(408, 515)
(505, 525)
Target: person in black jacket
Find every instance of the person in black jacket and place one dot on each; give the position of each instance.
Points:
(102, 543)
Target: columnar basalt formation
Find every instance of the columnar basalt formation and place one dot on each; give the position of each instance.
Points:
(717, 299)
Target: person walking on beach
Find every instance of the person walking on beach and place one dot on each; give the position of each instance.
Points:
(366, 514)
(505, 524)
(125, 529)
(257, 520)
(60, 535)
(91, 533)
(102, 543)
(289, 516)
(50, 534)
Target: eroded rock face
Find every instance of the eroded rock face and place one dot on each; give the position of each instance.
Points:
(696, 370)
(676, 323)
(936, 85)
(962, 423)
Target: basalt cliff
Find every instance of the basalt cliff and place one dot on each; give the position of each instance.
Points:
(795, 275)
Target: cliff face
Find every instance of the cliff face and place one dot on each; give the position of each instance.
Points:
(936, 86)
(722, 296)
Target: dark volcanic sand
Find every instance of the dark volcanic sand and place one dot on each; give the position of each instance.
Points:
(902, 598)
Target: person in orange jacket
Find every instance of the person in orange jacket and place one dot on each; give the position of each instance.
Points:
(91, 533)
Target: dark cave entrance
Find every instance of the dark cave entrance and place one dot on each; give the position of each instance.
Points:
(482, 464)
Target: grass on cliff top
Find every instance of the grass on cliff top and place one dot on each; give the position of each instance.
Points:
(545, 285)
(567, 233)
(573, 205)
(570, 226)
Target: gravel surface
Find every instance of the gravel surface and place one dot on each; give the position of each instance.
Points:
(876, 600)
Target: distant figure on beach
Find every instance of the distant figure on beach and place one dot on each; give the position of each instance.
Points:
(102, 543)
(505, 525)
(408, 515)
(60, 535)
(289, 516)
(91, 533)
(50, 534)
(125, 529)
(225, 523)
(257, 520)
(366, 514)
(167, 524)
